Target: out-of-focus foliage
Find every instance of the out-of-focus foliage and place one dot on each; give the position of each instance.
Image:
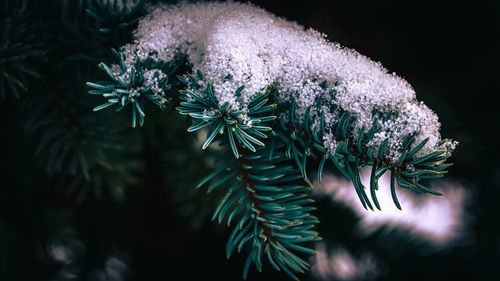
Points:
(23, 43)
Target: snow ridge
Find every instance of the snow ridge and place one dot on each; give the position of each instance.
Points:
(235, 44)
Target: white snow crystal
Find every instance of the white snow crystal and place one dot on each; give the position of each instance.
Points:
(257, 49)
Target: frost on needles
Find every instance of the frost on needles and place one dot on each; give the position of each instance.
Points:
(236, 45)
(276, 89)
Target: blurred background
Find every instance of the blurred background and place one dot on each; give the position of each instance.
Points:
(85, 197)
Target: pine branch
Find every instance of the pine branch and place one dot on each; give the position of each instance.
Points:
(272, 204)
(352, 154)
(262, 180)
(299, 140)
(277, 116)
(145, 82)
(200, 103)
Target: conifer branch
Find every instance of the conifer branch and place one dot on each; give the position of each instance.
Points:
(273, 207)
(280, 106)
(351, 156)
(244, 128)
(145, 82)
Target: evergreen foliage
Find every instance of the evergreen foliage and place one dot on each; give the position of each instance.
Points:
(21, 44)
(147, 82)
(82, 153)
(264, 152)
(115, 17)
(204, 108)
(269, 199)
(265, 156)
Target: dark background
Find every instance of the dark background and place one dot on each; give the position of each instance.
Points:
(448, 51)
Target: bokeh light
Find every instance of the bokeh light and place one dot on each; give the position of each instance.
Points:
(440, 220)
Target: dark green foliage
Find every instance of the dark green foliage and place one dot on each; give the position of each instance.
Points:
(87, 154)
(129, 86)
(292, 139)
(262, 175)
(297, 143)
(116, 21)
(266, 195)
(82, 153)
(21, 44)
(201, 104)
(152, 225)
(267, 201)
(351, 156)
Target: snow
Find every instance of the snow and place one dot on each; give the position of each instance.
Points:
(258, 49)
